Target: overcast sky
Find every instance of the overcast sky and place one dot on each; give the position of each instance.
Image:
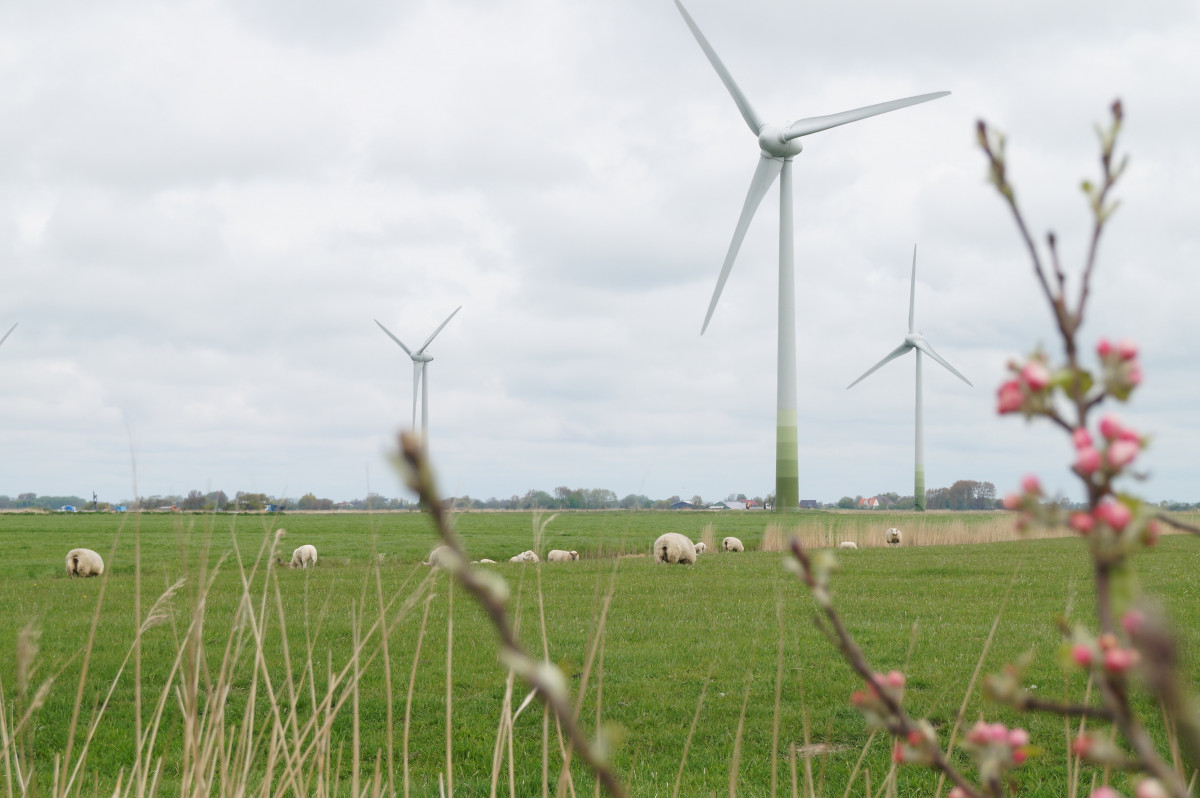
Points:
(204, 204)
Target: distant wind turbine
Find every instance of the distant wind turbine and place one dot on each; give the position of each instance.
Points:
(420, 378)
(778, 144)
(914, 340)
(10, 329)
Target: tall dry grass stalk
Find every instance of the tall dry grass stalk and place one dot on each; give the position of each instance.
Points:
(866, 529)
(708, 536)
(773, 538)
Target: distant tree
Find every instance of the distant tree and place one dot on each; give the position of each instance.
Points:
(846, 503)
(599, 499)
(537, 500)
(250, 501)
(697, 501)
(195, 501)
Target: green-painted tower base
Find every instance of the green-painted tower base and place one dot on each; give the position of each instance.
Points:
(787, 464)
(919, 490)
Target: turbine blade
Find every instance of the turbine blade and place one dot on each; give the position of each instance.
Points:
(927, 349)
(815, 124)
(764, 175)
(429, 340)
(895, 353)
(10, 329)
(743, 104)
(912, 291)
(394, 338)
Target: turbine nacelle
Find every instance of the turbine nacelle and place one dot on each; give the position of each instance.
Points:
(421, 357)
(774, 144)
(914, 339)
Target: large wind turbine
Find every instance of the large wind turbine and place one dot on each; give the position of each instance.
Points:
(778, 144)
(420, 378)
(914, 340)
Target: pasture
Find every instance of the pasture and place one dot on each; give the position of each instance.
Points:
(239, 685)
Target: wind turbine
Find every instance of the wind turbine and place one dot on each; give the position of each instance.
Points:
(778, 144)
(420, 378)
(914, 340)
(10, 329)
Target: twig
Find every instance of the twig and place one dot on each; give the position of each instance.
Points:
(491, 593)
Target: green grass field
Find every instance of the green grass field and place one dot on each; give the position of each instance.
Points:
(926, 609)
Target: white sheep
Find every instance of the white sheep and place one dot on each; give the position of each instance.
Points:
(486, 561)
(558, 555)
(893, 536)
(84, 562)
(700, 548)
(673, 547)
(732, 544)
(847, 544)
(304, 556)
(441, 557)
(525, 556)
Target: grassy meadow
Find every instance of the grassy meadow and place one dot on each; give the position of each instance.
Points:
(248, 671)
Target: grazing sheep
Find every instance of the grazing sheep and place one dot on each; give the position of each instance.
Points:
(674, 548)
(893, 536)
(700, 548)
(847, 544)
(486, 561)
(304, 556)
(558, 555)
(732, 544)
(84, 562)
(440, 557)
(525, 556)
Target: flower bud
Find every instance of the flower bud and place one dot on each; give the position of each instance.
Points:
(1113, 513)
(1012, 501)
(1088, 461)
(1119, 660)
(956, 792)
(1132, 622)
(1104, 792)
(1009, 398)
(1035, 375)
(1018, 738)
(1126, 349)
(1082, 523)
(1110, 427)
(1103, 348)
(1150, 788)
(1082, 654)
(1031, 484)
(1122, 452)
(1081, 437)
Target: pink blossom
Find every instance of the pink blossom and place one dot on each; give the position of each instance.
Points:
(1018, 738)
(1081, 654)
(1019, 757)
(1110, 427)
(956, 792)
(1088, 461)
(1126, 349)
(1081, 437)
(1081, 745)
(1115, 514)
(1104, 792)
(1103, 348)
(1012, 501)
(1122, 452)
(1151, 532)
(1009, 398)
(1134, 375)
(1035, 375)
(898, 753)
(1082, 523)
(1031, 484)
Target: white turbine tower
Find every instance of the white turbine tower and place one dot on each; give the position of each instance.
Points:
(914, 340)
(778, 144)
(10, 329)
(420, 378)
